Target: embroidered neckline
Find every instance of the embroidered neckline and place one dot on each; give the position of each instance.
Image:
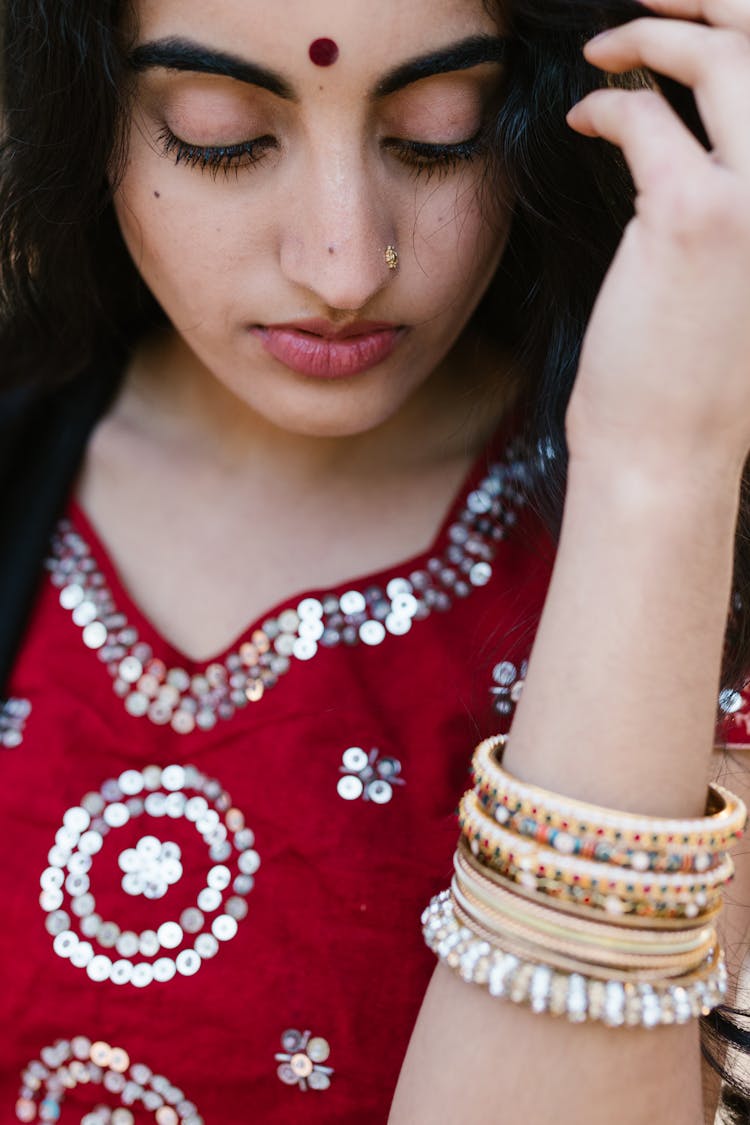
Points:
(187, 702)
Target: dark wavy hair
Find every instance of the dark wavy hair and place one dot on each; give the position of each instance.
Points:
(69, 290)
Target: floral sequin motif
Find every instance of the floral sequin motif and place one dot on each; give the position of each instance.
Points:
(507, 685)
(48, 1081)
(151, 867)
(302, 1059)
(106, 949)
(14, 714)
(368, 776)
(172, 696)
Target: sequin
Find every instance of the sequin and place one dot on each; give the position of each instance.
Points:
(64, 1065)
(508, 681)
(372, 633)
(304, 648)
(149, 869)
(355, 759)
(368, 776)
(350, 788)
(14, 714)
(398, 626)
(310, 609)
(730, 701)
(368, 616)
(301, 1061)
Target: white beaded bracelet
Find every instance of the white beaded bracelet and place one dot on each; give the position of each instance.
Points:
(573, 995)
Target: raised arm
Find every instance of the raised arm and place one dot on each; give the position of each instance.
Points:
(620, 698)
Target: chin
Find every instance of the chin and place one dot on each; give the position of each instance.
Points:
(326, 409)
(329, 423)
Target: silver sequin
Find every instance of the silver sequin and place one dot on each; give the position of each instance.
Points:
(172, 697)
(149, 869)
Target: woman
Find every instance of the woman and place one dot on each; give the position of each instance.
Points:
(279, 299)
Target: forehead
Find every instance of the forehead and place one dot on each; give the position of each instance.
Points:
(371, 36)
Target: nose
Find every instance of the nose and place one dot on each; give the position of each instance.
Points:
(335, 242)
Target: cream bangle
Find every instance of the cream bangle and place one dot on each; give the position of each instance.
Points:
(713, 832)
(615, 1003)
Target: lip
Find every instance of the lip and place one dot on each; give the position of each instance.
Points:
(318, 349)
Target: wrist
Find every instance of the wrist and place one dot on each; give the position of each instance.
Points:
(658, 486)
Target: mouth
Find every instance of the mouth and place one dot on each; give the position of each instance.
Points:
(319, 349)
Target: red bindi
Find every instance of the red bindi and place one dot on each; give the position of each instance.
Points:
(324, 52)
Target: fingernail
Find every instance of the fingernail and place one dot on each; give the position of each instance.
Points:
(601, 36)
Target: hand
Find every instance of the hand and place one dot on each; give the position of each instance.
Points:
(665, 370)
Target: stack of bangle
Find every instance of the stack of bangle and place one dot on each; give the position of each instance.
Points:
(585, 911)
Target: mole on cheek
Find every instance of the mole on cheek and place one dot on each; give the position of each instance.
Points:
(324, 52)
(157, 195)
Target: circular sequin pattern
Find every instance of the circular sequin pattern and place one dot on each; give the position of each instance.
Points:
(66, 1064)
(106, 949)
(301, 1060)
(194, 702)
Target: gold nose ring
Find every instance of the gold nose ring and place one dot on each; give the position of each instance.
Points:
(391, 257)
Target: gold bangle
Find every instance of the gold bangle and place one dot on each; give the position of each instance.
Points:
(570, 906)
(594, 932)
(593, 954)
(568, 960)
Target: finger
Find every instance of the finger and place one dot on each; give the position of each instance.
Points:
(653, 140)
(714, 63)
(718, 13)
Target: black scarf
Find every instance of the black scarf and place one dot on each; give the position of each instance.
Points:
(43, 437)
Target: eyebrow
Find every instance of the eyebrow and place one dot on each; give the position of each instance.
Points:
(186, 55)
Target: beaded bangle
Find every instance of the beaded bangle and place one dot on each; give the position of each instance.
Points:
(530, 864)
(575, 995)
(569, 819)
(594, 847)
(577, 908)
(547, 920)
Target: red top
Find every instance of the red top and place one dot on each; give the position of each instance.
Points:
(212, 909)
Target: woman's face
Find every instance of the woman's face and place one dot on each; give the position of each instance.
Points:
(275, 153)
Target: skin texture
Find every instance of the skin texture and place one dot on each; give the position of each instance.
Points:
(245, 451)
(227, 251)
(619, 703)
(616, 625)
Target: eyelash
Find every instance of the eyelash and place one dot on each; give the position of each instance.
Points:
(423, 159)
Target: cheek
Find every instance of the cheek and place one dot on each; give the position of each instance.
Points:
(181, 229)
(456, 240)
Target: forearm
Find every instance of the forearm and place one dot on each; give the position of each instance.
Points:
(618, 708)
(620, 699)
